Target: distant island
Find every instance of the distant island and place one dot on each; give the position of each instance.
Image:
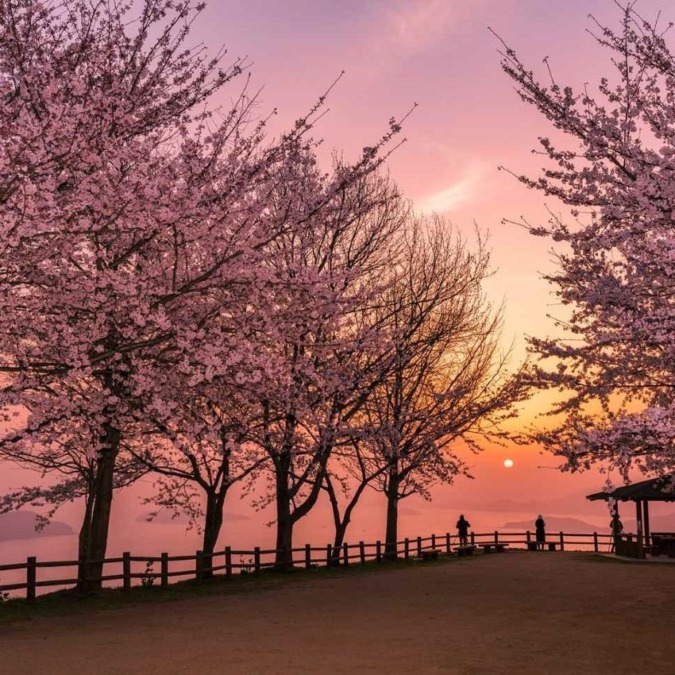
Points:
(21, 525)
(168, 517)
(555, 524)
(574, 502)
(662, 523)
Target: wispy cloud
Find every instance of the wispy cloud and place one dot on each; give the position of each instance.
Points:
(416, 24)
(396, 30)
(455, 195)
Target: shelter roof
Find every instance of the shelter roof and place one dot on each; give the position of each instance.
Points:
(661, 489)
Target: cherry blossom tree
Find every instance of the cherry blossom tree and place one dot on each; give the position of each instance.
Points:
(90, 205)
(197, 472)
(447, 386)
(351, 469)
(612, 164)
(327, 356)
(131, 218)
(194, 472)
(68, 472)
(134, 221)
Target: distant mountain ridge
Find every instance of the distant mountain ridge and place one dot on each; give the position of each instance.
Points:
(665, 523)
(555, 524)
(575, 502)
(21, 525)
(168, 517)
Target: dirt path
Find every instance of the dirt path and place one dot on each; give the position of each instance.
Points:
(512, 613)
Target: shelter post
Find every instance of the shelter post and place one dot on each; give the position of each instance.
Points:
(638, 516)
(646, 523)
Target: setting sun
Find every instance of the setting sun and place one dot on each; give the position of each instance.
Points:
(508, 463)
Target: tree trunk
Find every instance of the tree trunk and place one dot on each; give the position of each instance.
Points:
(284, 557)
(84, 540)
(92, 568)
(338, 541)
(212, 525)
(340, 522)
(391, 535)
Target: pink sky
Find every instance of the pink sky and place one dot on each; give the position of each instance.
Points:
(440, 54)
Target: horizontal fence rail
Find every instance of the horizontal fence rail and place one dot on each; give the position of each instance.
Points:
(159, 570)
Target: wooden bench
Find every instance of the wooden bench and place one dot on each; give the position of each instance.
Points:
(432, 554)
(465, 550)
(497, 548)
(663, 544)
(550, 545)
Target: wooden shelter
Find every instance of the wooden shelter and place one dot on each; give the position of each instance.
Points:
(661, 489)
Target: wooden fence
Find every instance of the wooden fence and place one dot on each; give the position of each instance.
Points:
(225, 560)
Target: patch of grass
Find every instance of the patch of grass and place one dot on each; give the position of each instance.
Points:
(68, 602)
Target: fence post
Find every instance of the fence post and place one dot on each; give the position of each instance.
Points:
(595, 541)
(198, 565)
(528, 537)
(473, 538)
(496, 537)
(308, 556)
(406, 548)
(419, 547)
(378, 551)
(228, 561)
(165, 569)
(329, 553)
(362, 552)
(433, 541)
(447, 543)
(345, 551)
(126, 570)
(562, 542)
(31, 578)
(256, 559)
(81, 571)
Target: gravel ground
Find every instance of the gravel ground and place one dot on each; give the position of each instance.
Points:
(517, 612)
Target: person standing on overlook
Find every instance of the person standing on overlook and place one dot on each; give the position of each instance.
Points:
(540, 532)
(463, 526)
(616, 528)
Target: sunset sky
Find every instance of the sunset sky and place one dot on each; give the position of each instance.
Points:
(441, 55)
(469, 121)
(252, 416)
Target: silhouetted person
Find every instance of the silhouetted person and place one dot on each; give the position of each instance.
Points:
(540, 532)
(463, 526)
(616, 528)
